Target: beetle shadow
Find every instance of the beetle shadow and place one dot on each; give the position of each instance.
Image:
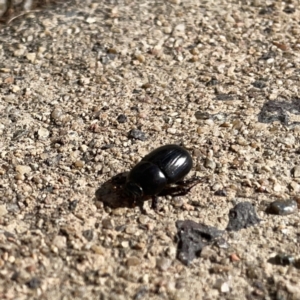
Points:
(111, 192)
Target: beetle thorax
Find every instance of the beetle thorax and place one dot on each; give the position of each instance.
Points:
(133, 190)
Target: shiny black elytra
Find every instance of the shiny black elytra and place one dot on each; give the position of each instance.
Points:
(163, 166)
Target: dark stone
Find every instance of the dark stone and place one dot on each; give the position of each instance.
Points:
(268, 30)
(135, 91)
(53, 161)
(282, 259)
(221, 193)
(122, 118)
(202, 115)
(15, 276)
(277, 111)
(212, 82)
(267, 10)
(92, 276)
(268, 55)
(281, 295)
(282, 207)
(88, 234)
(34, 283)
(107, 146)
(137, 134)
(19, 133)
(112, 56)
(104, 60)
(289, 9)
(193, 237)
(224, 97)
(259, 84)
(141, 293)
(243, 215)
(9, 235)
(97, 47)
(135, 108)
(73, 205)
(297, 264)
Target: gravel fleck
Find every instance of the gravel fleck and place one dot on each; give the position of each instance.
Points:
(282, 207)
(122, 119)
(137, 134)
(243, 215)
(193, 237)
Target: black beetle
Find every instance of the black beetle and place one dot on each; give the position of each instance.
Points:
(163, 166)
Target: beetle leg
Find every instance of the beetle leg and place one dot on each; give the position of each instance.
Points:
(182, 188)
(142, 209)
(140, 204)
(194, 181)
(187, 185)
(154, 202)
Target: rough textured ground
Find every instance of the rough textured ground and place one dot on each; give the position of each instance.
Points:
(220, 77)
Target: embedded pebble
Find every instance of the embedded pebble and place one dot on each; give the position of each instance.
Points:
(57, 114)
(43, 133)
(98, 249)
(21, 171)
(172, 130)
(282, 207)
(133, 261)
(296, 171)
(294, 186)
(210, 164)
(79, 164)
(221, 193)
(108, 223)
(143, 219)
(202, 115)
(277, 187)
(131, 229)
(60, 241)
(31, 56)
(222, 286)
(163, 263)
(15, 89)
(3, 210)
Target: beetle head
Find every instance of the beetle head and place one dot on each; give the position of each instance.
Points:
(133, 190)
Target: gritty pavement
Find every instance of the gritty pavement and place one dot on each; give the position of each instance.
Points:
(87, 88)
